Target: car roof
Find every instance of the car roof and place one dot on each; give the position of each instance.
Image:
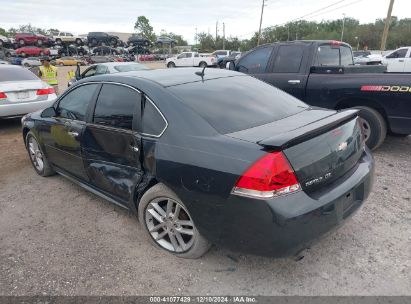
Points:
(11, 66)
(109, 64)
(172, 77)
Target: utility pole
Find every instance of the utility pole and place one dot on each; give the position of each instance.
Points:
(216, 31)
(387, 26)
(261, 21)
(288, 29)
(196, 37)
(223, 36)
(342, 31)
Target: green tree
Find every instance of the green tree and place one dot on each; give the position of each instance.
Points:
(143, 27)
(3, 32)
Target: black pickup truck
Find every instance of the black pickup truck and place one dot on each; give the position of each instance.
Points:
(322, 74)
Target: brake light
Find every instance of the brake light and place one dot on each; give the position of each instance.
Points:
(46, 91)
(268, 177)
(336, 43)
(3, 95)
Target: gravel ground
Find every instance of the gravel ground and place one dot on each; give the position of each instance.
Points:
(58, 239)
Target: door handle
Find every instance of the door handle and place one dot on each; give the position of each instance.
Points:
(294, 81)
(134, 148)
(73, 134)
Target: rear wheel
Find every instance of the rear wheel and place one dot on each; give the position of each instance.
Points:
(168, 224)
(203, 64)
(373, 125)
(37, 157)
(39, 42)
(61, 64)
(59, 42)
(21, 42)
(171, 65)
(78, 41)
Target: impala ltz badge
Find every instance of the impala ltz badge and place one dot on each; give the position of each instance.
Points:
(318, 179)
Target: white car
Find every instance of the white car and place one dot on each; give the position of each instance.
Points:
(190, 59)
(4, 40)
(31, 62)
(399, 60)
(22, 92)
(68, 37)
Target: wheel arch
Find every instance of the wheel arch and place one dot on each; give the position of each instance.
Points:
(148, 181)
(357, 102)
(26, 130)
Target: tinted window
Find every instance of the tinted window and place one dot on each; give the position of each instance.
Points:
(327, 55)
(346, 56)
(115, 106)
(153, 123)
(189, 55)
(288, 59)
(398, 54)
(74, 104)
(90, 72)
(16, 74)
(256, 61)
(248, 103)
(101, 69)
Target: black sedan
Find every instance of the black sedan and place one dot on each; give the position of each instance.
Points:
(214, 158)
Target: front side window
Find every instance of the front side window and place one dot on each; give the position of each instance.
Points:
(101, 69)
(256, 61)
(74, 104)
(116, 105)
(398, 54)
(289, 59)
(90, 72)
(189, 55)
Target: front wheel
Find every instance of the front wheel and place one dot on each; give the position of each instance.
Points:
(168, 223)
(37, 157)
(373, 126)
(203, 64)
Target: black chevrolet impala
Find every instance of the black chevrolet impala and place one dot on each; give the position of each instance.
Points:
(215, 157)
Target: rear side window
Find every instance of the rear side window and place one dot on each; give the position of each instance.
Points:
(16, 74)
(249, 102)
(288, 59)
(74, 105)
(256, 61)
(326, 55)
(346, 56)
(116, 105)
(153, 122)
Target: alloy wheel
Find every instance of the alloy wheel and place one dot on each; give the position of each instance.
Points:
(36, 155)
(170, 224)
(366, 128)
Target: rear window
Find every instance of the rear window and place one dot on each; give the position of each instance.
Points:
(248, 102)
(16, 74)
(129, 68)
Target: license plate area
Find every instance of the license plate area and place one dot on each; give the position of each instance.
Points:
(22, 95)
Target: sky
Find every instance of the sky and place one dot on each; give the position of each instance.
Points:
(241, 17)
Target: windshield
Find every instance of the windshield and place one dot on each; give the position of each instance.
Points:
(16, 74)
(131, 67)
(247, 103)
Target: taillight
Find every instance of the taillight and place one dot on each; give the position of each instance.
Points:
(45, 91)
(3, 95)
(268, 177)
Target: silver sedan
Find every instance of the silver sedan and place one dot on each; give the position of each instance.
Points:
(22, 92)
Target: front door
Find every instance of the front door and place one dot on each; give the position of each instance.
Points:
(396, 61)
(111, 146)
(63, 135)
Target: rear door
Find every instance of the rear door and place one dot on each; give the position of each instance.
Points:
(188, 60)
(111, 147)
(63, 136)
(287, 69)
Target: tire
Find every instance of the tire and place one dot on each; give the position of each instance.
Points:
(21, 42)
(202, 64)
(39, 42)
(59, 42)
(171, 65)
(32, 150)
(80, 53)
(41, 53)
(61, 64)
(196, 245)
(374, 127)
(26, 65)
(78, 41)
(23, 54)
(113, 41)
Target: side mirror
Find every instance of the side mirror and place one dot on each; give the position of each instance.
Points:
(230, 65)
(49, 112)
(78, 75)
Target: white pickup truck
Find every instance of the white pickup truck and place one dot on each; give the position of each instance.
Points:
(398, 61)
(190, 59)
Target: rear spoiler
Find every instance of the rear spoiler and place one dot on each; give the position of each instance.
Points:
(285, 140)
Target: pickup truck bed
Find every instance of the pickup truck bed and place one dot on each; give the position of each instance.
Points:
(321, 73)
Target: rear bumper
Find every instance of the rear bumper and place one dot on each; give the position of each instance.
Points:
(288, 224)
(400, 125)
(22, 108)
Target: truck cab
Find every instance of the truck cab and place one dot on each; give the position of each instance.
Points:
(398, 61)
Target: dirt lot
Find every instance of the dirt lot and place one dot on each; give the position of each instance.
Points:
(58, 239)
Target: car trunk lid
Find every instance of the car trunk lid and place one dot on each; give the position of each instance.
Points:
(320, 145)
(21, 91)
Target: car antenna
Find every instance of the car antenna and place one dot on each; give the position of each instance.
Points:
(201, 73)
